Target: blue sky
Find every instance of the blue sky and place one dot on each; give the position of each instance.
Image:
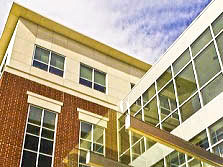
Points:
(143, 29)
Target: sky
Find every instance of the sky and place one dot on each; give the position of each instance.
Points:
(143, 29)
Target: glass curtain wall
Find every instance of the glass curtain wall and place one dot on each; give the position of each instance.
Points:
(211, 139)
(189, 83)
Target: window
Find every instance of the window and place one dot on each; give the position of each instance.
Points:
(92, 138)
(48, 61)
(132, 85)
(39, 138)
(92, 78)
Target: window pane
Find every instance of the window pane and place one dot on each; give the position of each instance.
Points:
(98, 136)
(47, 134)
(218, 150)
(49, 120)
(35, 115)
(149, 143)
(99, 77)
(185, 83)
(122, 120)
(136, 151)
(201, 140)
(46, 146)
(181, 61)
(42, 55)
(135, 106)
(86, 72)
(164, 78)
(218, 24)
(171, 122)
(86, 130)
(216, 131)
(125, 158)
(31, 142)
(85, 82)
(167, 100)
(207, 59)
(123, 140)
(57, 61)
(175, 159)
(28, 159)
(151, 112)
(135, 138)
(201, 41)
(82, 156)
(190, 107)
(213, 89)
(85, 144)
(219, 41)
(159, 164)
(44, 161)
(139, 115)
(33, 129)
(148, 94)
(40, 65)
(195, 163)
(98, 148)
(56, 71)
(99, 88)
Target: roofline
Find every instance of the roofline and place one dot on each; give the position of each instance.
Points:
(18, 11)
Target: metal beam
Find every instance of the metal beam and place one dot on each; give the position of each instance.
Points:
(97, 160)
(172, 141)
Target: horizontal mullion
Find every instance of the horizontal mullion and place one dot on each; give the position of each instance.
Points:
(27, 133)
(41, 61)
(165, 85)
(169, 115)
(149, 100)
(216, 36)
(218, 142)
(45, 154)
(57, 68)
(25, 149)
(215, 76)
(185, 66)
(124, 152)
(185, 101)
(47, 139)
(205, 46)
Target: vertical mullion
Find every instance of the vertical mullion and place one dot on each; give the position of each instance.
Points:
(216, 48)
(142, 108)
(176, 94)
(209, 139)
(92, 137)
(41, 127)
(196, 78)
(130, 144)
(48, 70)
(92, 86)
(158, 105)
(165, 162)
(24, 136)
(54, 139)
(104, 141)
(79, 145)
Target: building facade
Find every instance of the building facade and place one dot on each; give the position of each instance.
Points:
(180, 94)
(63, 94)
(59, 93)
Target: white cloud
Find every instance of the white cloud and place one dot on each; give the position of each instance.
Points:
(144, 29)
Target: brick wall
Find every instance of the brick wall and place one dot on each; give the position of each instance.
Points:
(13, 114)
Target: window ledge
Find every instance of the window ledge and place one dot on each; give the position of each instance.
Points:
(44, 102)
(92, 118)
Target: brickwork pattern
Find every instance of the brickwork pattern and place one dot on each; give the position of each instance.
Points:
(13, 115)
